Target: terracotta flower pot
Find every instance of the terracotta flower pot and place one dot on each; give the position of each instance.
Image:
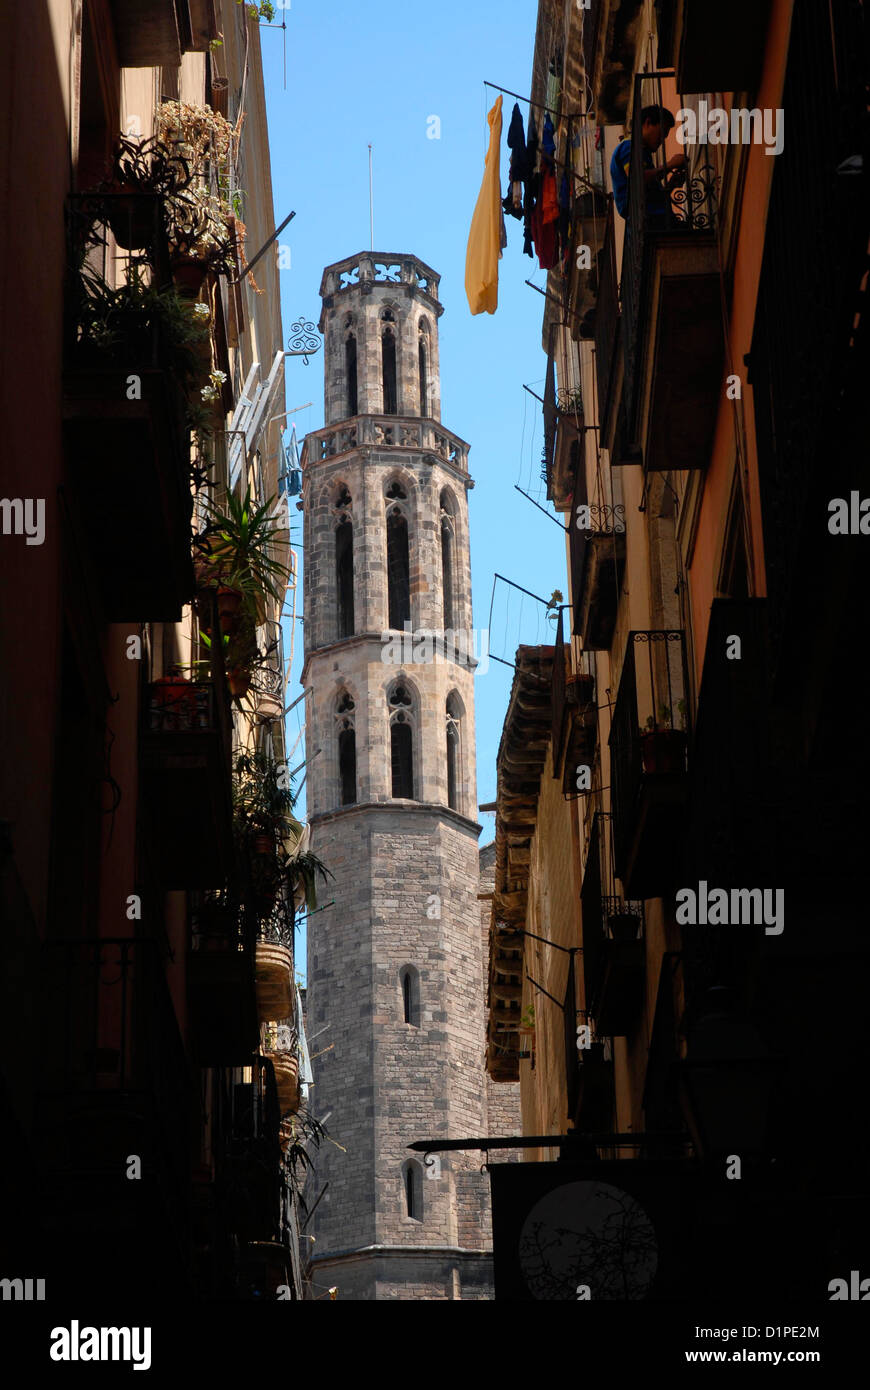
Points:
(239, 679)
(173, 703)
(229, 603)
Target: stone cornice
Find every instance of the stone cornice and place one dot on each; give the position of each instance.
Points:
(408, 808)
(360, 639)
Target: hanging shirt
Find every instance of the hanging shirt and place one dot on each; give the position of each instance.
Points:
(548, 142)
(516, 139)
(484, 239)
(531, 187)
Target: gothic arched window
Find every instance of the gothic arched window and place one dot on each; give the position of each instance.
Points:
(423, 363)
(401, 742)
(448, 560)
(454, 751)
(344, 563)
(398, 559)
(388, 363)
(410, 982)
(344, 714)
(351, 374)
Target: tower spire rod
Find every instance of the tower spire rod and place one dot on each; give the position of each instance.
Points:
(371, 203)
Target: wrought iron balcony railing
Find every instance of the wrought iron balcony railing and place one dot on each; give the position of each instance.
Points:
(186, 744)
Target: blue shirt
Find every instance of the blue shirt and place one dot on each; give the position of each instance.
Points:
(619, 167)
(655, 195)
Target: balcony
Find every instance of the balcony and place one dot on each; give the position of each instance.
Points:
(148, 33)
(128, 460)
(276, 992)
(114, 1081)
(249, 1168)
(281, 1046)
(607, 324)
(388, 432)
(582, 733)
(648, 746)
(710, 56)
(564, 430)
(222, 1006)
(267, 679)
(185, 743)
(574, 716)
(613, 939)
(597, 558)
(671, 307)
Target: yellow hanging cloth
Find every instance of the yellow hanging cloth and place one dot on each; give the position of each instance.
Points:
(484, 239)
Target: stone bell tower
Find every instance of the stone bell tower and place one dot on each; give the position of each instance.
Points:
(395, 970)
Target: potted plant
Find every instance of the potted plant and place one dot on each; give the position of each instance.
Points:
(229, 604)
(201, 233)
(663, 748)
(526, 1030)
(301, 868)
(173, 701)
(264, 818)
(238, 539)
(135, 324)
(142, 170)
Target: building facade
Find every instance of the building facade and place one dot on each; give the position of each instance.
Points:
(150, 1028)
(703, 349)
(395, 972)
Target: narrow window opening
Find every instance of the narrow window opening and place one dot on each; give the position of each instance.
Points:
(424, 369)
(447, 572)
(346, 749)
(402, 759)
(388, 357)
(453, 716)
(398, 570)
(344, 576)
(401, 745)
(347, 765)
(411, 1193)
(351, 373)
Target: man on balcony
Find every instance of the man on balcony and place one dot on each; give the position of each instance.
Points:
(656, 124)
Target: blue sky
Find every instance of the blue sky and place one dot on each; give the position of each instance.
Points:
(377, 73)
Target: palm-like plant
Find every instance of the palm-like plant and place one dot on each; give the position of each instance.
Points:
(238, 538)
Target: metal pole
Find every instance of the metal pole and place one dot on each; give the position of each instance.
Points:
(371, 202)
